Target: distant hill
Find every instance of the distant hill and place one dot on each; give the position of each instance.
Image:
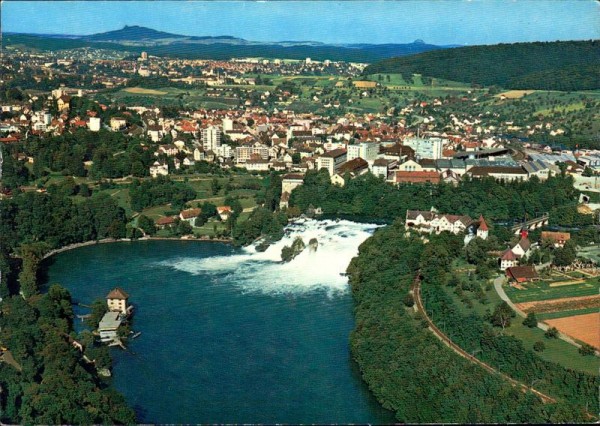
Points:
(147, 36)
(135, 39)
(133, 32)
(561, 65)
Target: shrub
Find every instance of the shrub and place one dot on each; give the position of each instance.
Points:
(539, 346)
(551, 333)
(530, 321)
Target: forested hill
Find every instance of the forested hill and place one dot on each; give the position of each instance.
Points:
(560, 65)
(218, 48)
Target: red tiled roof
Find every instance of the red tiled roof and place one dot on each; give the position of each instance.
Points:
(417, 177)
(509, 255)
(165, 220)
(556, 236)
(521, 272)
(482, 225)
(190, 213)
(335, 153)
(117, 293)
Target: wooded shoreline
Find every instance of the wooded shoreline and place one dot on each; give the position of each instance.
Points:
(129, 240)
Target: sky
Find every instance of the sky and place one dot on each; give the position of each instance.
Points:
(441, 22)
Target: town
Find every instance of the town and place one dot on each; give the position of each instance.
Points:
(480, 258)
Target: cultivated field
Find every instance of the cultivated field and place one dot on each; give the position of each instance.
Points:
(558, 305)
(585, 328)
(556, 287)
(515, 94)
(142, 91)
(569, 301)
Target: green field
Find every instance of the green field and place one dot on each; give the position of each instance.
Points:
(590, 252)
(564, 314)
(542, 291)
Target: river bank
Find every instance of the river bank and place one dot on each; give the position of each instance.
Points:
(129, 240)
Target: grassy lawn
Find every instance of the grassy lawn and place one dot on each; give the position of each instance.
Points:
(542, 291)
(561, 108)
(122, 197)
(208, 228)
(556, 350)
(156, 211)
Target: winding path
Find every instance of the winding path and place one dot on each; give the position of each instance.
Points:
(445, 339)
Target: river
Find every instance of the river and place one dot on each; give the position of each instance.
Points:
(232, 335)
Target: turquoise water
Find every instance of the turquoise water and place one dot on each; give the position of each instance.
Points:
(212, 349)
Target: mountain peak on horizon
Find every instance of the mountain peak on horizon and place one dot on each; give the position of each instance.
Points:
(138, 33)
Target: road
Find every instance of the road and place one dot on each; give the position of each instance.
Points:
(419, 305)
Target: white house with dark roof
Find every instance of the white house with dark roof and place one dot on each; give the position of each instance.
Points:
(431, 221)
(116, 300)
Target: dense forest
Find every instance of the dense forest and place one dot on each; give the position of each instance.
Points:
(161, 190)
(370, 197)
(412, 373)
(561, 65)
(50, 381)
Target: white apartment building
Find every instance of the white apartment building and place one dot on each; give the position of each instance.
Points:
(211, 138)
(426, 148)
(94, 124)
(227, 124)
(244, 153)
(224, 151)
(366, 150)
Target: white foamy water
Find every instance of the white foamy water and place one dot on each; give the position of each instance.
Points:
(322, 269)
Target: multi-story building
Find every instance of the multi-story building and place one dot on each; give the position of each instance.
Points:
(245, 153)
(332, 160)
(117, 123)
(211, 138)
(366, 150)
(94, 124)
(227, 124)
(426, 148)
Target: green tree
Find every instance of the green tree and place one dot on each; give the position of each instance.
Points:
(215, 186)
(586, 349)
(531, 320)
(146, 224)
(551, 333)
(98, 309)
(502, 315)
(539, 346)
